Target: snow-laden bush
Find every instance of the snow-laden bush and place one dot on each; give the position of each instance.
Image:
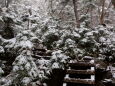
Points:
(25, 67)
(23, 40)
(59, 60)
(74, 42)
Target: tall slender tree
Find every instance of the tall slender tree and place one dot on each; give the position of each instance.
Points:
(75, 3)
(7, 2)
(102, 12)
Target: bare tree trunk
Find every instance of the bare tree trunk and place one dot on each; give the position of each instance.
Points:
(75, 3)
(29, 21)
(91, 14)
(102, 13)
(50, 7)
(7, 2)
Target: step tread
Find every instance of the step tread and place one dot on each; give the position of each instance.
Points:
(35, 49)
(72, 71)
(80, 81)
(82, 64)
(38, 56)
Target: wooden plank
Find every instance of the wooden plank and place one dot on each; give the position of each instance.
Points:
(79, 81)
(40, 53)
(39, 57)
(72, 71)
(85, 64)
(35, 49)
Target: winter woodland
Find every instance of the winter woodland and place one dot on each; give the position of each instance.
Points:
(38, 36)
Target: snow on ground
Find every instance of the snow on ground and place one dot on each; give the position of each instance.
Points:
(64, 84)
(1, 49)
(67, 76)
(1, 71)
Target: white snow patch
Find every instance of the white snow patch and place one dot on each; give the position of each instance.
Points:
(92, 77)
(1, 49)
(10, 43)
(55, 65)
(89, 34)
(1, 71)
(26, 44)
(67, 76)
(92, 68)
(76, 35)
(64, 84)
(102, 39)
(26, 80)
(92, 61)
(15, 68)
(107, 80)
(84, 40)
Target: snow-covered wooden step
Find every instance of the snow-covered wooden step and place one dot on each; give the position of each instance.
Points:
(39, 57)
(79, 81)
(43, 50)
(64, 84)
(72, 71)
(85, 64)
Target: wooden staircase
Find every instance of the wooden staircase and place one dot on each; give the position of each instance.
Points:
(41, 54)
(80, 73)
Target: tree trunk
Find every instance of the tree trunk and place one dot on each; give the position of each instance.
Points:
(29, 21)
(102, 13)
(50, 7)
(7, 2)
(75, 2)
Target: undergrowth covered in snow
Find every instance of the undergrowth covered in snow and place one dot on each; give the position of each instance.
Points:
(28, 29)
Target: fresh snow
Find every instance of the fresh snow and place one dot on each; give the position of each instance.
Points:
(55, 65)
(1, 71)
(64, 84)
(34, 26)
(67, 76)
(1, 49)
